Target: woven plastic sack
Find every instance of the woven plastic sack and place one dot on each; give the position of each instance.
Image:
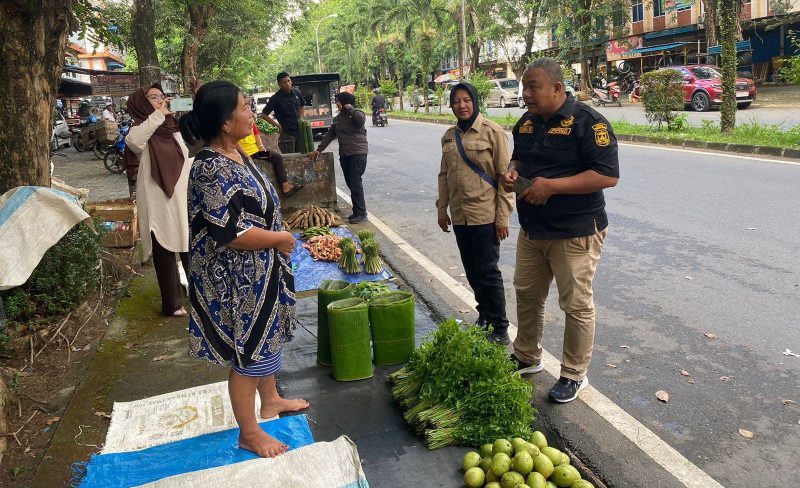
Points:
(392, 318)
(351, 352)
(328, 292)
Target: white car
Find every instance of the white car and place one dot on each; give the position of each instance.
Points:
(61, 135)
(567, 88)
(261, 100)
(504, 92)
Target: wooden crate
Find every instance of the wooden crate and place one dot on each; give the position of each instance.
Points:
(106, 131)
(119, 221)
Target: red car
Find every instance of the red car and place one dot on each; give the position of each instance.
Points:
(702, 87)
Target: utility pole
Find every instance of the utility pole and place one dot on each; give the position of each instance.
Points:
(463, 42)
(316, 35)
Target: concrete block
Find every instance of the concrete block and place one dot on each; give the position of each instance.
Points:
(318, 178)
(695, 144)
(773, 151)
(791, 153)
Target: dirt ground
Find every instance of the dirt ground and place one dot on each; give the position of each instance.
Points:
(42, 369)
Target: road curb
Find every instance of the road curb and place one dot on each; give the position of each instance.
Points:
(640, 139)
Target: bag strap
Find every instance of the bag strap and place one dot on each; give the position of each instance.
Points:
(474, 167)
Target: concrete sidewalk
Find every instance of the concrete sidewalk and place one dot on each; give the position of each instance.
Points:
(123, 370)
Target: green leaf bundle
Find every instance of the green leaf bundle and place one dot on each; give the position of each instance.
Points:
(372, 259)
(369, 289)
(458, 388)
(365, 235)
(349, 260)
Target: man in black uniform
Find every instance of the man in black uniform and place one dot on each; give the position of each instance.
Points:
(569, 152)
(287, 103)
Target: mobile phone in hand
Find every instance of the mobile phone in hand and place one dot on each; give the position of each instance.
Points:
(521, 184)
(181, 104)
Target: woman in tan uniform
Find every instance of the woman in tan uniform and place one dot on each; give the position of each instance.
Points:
(474, 158)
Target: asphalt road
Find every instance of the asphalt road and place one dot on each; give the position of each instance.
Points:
(783, 117)
(699, 243)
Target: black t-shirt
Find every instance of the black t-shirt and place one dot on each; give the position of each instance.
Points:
(286, 106)
(575, 139)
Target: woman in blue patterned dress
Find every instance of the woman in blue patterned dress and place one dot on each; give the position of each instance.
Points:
(242, 287)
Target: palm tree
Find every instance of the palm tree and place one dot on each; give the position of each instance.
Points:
(419, 21)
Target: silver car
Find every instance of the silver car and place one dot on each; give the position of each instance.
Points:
(505, 92)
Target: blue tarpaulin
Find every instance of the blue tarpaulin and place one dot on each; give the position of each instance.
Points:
(202, 452)
(657, 49)
(308, 274)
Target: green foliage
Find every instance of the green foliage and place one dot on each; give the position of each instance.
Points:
(483, 86)
(388, 89)
(662, 93)
(791, 69)
(363, 98)
(439, 97)
(265, 127)
(460, 389)
(66, 274)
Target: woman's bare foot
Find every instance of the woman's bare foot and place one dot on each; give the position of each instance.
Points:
(181, 312)
(282, 405)
(261, 443)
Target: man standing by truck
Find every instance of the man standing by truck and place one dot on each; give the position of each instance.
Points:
(287, 104)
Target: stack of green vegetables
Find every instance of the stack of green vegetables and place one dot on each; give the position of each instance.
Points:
(369, 289)
(305, 143)
(320, 230)
(372, 259)
(460, 389)
(349, 260)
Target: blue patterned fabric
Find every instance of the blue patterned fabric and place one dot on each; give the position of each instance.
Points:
(242, 301)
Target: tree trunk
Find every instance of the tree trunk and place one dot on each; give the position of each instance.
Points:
(400, 84)
(710, 23)
(199, 15)
(728, 33)
(477, 42)
(143, 18)
(530, 31)
(33, 43)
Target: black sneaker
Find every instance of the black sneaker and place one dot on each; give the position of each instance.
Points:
(501, 338)
(525, 368)
(357, 219)
(566, 390)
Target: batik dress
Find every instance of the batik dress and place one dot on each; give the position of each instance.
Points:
(242, 301)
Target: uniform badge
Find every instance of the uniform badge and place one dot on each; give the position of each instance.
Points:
(568, 122)
(560, 131)
(527, 127)
(601, 135)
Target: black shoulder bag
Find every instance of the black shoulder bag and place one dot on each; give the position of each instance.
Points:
(474, 167)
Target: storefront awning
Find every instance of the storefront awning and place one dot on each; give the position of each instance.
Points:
(740, 46)
(671, 32)
(657, 49)
(114, 65)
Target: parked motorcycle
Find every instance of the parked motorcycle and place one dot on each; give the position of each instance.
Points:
(113, 159)
(607, 96)
(380, 118)
(77, 140)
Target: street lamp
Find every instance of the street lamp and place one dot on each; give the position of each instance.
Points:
(316, 35)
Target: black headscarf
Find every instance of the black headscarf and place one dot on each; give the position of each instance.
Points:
(346, 98)
(473, 93)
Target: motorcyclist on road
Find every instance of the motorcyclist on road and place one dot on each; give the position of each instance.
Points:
(378, 102)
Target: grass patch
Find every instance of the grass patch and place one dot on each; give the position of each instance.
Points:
(750, 132)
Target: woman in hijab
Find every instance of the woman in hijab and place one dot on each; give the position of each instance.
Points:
(157, 160)
(348, 127)
(474, 158)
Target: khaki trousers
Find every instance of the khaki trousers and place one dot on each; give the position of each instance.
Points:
(572, 262)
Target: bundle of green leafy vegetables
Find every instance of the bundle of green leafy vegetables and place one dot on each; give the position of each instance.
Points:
(460, 389)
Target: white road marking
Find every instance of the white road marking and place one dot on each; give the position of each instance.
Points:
(666, 148)
(662, 453)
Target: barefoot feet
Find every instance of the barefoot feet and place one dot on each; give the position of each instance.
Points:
(280, 405)
(261, 443)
